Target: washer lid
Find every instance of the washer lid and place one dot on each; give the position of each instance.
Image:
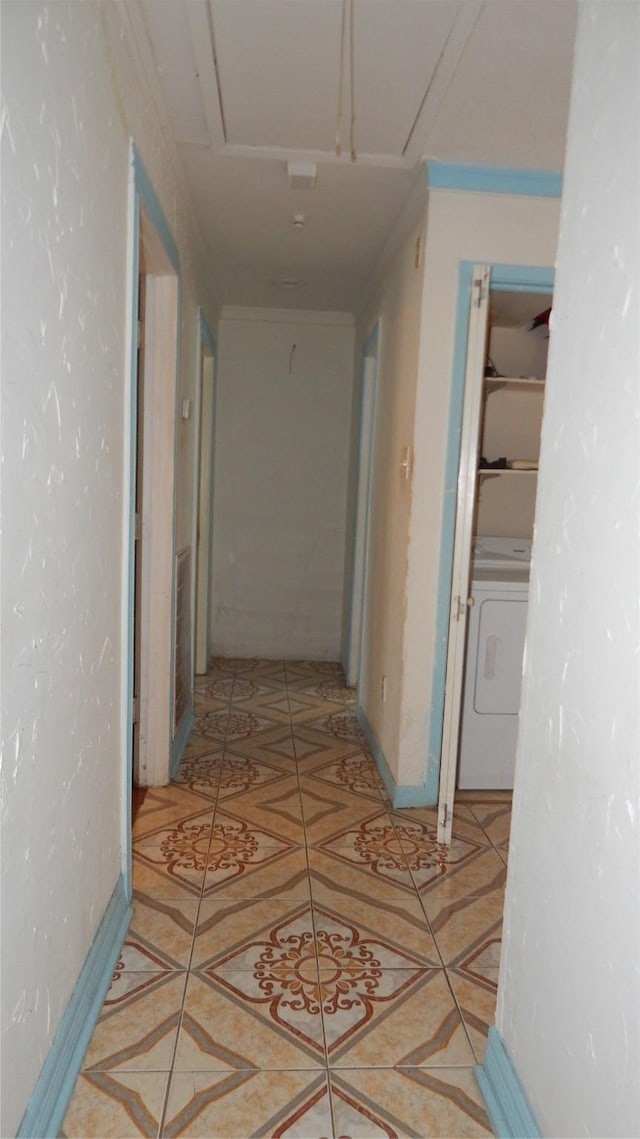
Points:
(492, 553)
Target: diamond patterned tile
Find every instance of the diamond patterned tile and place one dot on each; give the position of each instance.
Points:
(138, 1032)
(123, 1104)
(229, 1021)
(304, 960)
(476, 999)
(442, 1103)
(288, 1104)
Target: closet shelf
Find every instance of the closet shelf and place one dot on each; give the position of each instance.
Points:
(495, 383)
(492, 473)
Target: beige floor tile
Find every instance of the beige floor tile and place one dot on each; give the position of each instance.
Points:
(355, 773)
(344, 871)
(240, 774)
(476, 999)
(463, 872)
(442, 1103)
(273, 807)
(139, 1032)
(165, 807)
(396, 1017)
(248, 934)
(230, 1022)
(179, 851)
(277, 870)
(495, 820)
(122, 1104)
(322, 922)
(163, 930)
(294, 1105)
(275, 746)
(388, 930)
(467, 926)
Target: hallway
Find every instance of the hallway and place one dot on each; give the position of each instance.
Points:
(303, 960)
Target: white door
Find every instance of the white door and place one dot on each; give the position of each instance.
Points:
(465, 507)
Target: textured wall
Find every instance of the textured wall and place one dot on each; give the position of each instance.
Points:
(71, 99)
(396, 304)
(282, 421)
(569, 1004)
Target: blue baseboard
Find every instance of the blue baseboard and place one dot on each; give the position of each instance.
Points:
(48, 1104)
(509, 1111)
(406, 795)
(180, 741)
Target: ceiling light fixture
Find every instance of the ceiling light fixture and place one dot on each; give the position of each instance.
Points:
(288, 282)
(302, 175)
(298, 221)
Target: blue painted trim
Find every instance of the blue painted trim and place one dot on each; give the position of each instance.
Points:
(509, 1109)
(149, 199)
(50, 1098)
(516, 278)
(405, 796)
(180, 742)
(494, 180)
(206, 333)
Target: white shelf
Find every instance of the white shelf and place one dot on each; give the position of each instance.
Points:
(497, 473)
(495, 383)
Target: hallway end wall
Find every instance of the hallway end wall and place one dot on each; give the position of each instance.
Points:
(285, 382)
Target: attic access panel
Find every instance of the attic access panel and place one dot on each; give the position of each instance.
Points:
(279, 70)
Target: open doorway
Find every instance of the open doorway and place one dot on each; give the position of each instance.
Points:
(150, 525)
(505, 367)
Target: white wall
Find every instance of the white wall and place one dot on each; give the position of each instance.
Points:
(396, 305)
(73, 96)
(569, 1002)
(283, 428)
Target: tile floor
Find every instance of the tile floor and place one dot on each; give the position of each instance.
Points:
(303, 960)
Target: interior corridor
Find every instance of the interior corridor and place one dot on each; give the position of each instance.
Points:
(303, 960)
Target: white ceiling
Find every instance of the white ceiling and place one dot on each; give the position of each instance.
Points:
(251, 84)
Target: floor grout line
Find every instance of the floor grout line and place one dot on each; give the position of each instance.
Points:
(300, 681)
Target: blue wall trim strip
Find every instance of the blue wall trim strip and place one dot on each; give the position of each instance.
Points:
(509, 1109)
(512, 278)
(404, 796)
(48, 1104)
(180, 742)
(149, 200)
(494, 180)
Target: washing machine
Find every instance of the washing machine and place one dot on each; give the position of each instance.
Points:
(493, 668)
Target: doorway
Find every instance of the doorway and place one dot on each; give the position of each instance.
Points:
(150, 518)
(503, 305)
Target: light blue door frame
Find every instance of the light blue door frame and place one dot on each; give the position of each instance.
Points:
(504, 278)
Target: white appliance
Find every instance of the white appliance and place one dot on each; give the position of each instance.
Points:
(493, 670)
